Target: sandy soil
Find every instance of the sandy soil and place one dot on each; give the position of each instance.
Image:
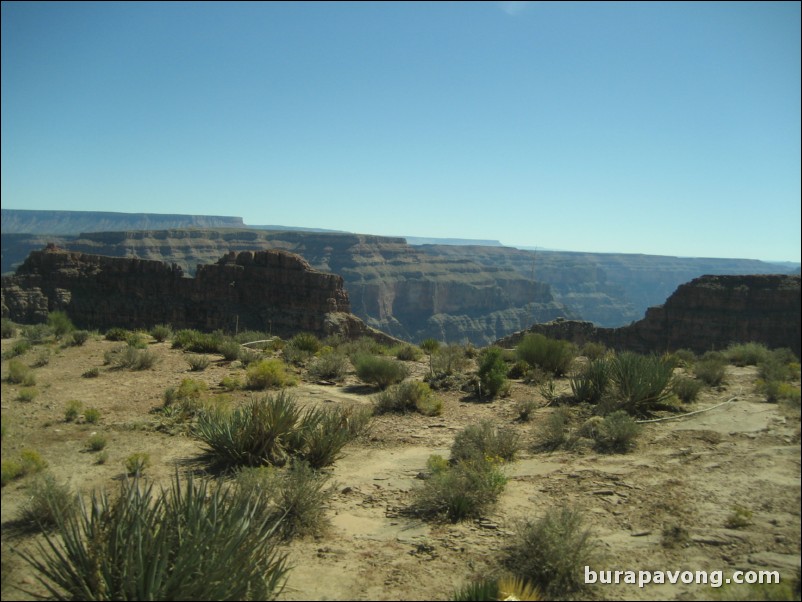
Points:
(686, 474)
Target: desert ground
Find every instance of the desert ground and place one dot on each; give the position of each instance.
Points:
(685, 476)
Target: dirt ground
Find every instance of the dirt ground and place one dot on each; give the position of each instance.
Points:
(685, 476)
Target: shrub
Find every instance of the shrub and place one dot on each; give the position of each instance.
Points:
(48, 503)
(73, 410)
(231, 383)
(136, 463)
(19, 373)
(117, 334)
(379, 371)
(739, 518)
(505, 588)
(91, 373)
(549, 354)
(525, 408)
(10, 471)
(331, 366)
(192, 542)
(78, 338)
(711, 370)
(687, 389)
(272, 429)
(591, 384)
(552, 552)
(305, 341)
(780, 365)
(408, 353)
(92, 415)
(492, 372)
(96, 442)
(7, 329)
(42, 358)
(198, 363)
(553, 431)
(448, 360)
(136, 340)
(776, 391)
(617, 432)
(37, 333)
(18, 348)
(269, 373)
(484, 440)
(464, 490)
(27, 394)
(295, 498)
(593, 351)
(32, 461)
(409, 396)
(642, 382)
(60, 323)
(684, 357)
(746, 354)
(229, 349)
(130, 358)
(199, 342)
(161, 332)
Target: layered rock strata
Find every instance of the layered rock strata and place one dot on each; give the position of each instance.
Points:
(271, 291)
(711, 312)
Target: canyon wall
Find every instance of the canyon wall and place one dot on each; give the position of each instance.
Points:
(710, 312)
(271, 291)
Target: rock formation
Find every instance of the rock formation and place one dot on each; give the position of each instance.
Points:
(271, 291)
(711, 312)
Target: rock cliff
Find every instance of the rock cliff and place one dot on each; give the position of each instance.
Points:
(271, 291)
(710, 312)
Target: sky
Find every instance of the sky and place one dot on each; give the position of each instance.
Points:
(655, 128)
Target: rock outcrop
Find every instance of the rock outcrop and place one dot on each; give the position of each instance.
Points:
(271, 291)
(711, 312)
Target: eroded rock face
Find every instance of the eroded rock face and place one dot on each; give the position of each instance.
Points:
(711, 312)
(271, 291)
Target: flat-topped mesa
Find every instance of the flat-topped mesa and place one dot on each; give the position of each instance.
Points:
(710, 312)
(273, 291)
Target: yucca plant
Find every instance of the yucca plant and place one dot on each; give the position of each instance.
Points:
(192, 542)
(592, 382)
(642, 382)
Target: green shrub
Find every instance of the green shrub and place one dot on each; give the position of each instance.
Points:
(739, 518)
(408, 396)
(136, 463)
(305, 341)
(78, 338)
(492, 372)
(161, 332)
(746, 354)
(19, 373)
(684, 357)
(617, 433)
(130, 358)
(642, 382)
(552, 552)
(136, 340)
(73, 410)
(48, 503)
(687, 389)
(102, 457)
(270, 373)
(42, 358)
(590, 385)
(198, 363)
(8, 329)
(780, 365)
(485, 440)
(199, 342)
(92, 415)
(271, 430)
(231, 383)
(711, 370)
(37, 333)
(32, 461)
(60, 323)
(776, 391)
(96, 442)
(91, 373)
(448, 360)
(18, 348)
(379, 371)
(408, 353)
(553, 432)
(593, 351)
(464, 490)
(549, 354)
(229, 349)
(331, 366)
(27, 394)
(117, 334)
(505, 588)
(193, 542)
(11, 470)
(294, 498)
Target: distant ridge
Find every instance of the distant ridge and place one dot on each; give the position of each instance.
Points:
(29, 221)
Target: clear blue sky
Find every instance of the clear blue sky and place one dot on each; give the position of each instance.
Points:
(613, 127)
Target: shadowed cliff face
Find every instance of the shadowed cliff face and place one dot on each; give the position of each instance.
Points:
(267, 290)
(711, 312)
